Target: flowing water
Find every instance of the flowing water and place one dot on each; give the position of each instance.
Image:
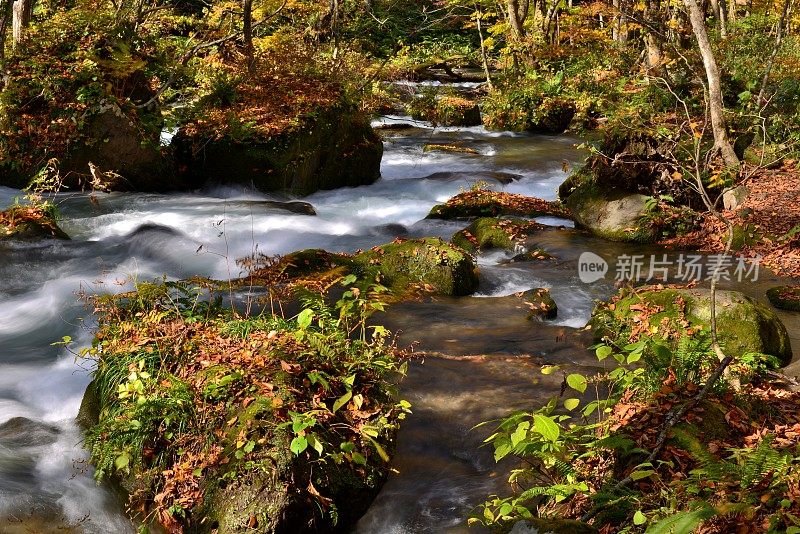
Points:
(487, 352)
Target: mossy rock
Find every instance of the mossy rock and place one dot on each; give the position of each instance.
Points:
(446, 111)
(540, 303)
(785, 297)
(487, 233)
(617, 215)
(334, 147)
(25, 223)
(612, 215)
(744, 325)
(545, 115)
(486, 203)
(430, 262)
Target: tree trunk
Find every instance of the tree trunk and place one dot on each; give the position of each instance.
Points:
(719, 14)
(653, 41)
(5, 20)
(517, 23)
(484, 55)
(716, 108)
(247, 31)
(21, 18)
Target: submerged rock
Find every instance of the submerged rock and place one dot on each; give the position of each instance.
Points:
(785, 297)
(744, 325)
(21, 432)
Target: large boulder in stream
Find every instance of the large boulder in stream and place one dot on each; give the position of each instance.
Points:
(447, 110)
(619, 215)
(214, 422)
(329, 148)
(743, 324)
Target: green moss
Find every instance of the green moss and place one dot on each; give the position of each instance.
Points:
(487, 233)
(744, 325)
(744, 235)
(430, 262)
(785, 297)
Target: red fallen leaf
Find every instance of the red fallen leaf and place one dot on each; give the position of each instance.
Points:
(290, 367)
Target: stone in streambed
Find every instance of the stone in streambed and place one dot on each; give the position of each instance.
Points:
(488, 233)
(402, 265)
(487, 203)
(29, 223)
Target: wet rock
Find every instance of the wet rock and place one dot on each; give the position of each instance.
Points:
(540, 304)
(487, 233)
(536, 254)
(617, 215)
(335, 147)
(428, 264)
(785, 297)
(613, 215)
(118, 154)
(295, 206)
(23, 432)
(538, 525)
(744, 325)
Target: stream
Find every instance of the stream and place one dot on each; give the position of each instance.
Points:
(487, 352)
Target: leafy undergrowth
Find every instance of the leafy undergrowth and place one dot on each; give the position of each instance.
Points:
(487, 203)
(273, 98)
(731, 464)
(193, 396)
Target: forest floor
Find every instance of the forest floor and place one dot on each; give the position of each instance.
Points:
(769, 216)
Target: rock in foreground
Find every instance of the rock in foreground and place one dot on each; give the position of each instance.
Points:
(744, 325)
